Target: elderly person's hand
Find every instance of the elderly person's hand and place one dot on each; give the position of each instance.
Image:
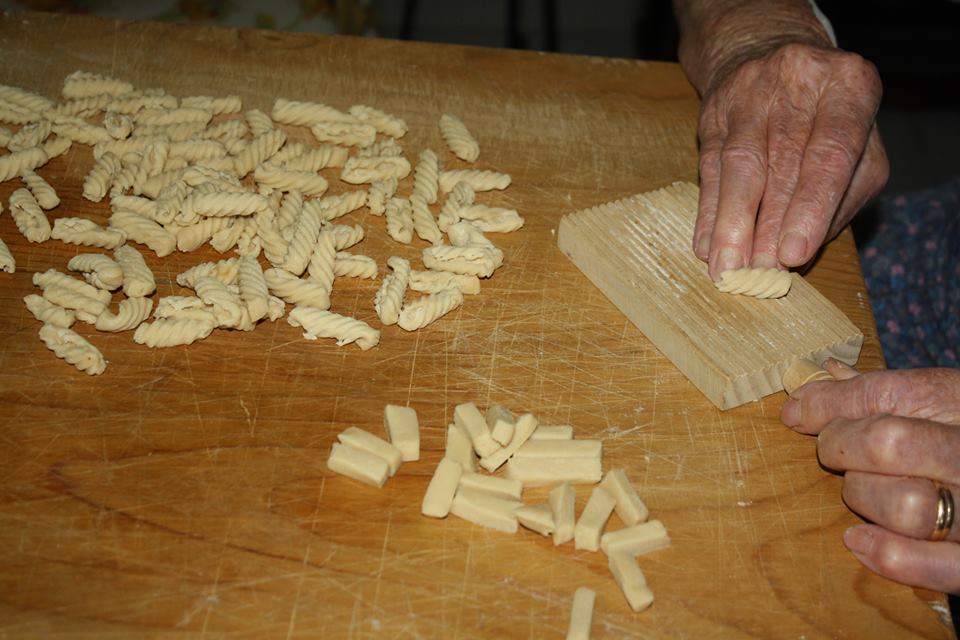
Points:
(896, 435)
(789, 150)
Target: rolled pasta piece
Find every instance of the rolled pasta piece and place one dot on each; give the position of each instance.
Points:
(358, 170)
(323, 258)
(99, 270)
(349, 134)
(130, 314)
(44, 194)
(137, 204)
(15, 163)
(120, 148)
(477, 179)
(461, 196)
(465, 234)
(326, 155)
(491, 219)
(307, 113)
(178, 115)
(144, 231)
(56, 146)
(84, 84)
(304, 239)
(354, 266)
(423, 221)
(332, 207)
(138, 280)
(54, 278)
(458, 138)
(225, 130)
(382, 122)
(48, 312)
(318, 323)
(294, 290)
(79, 107)
(86, 232)
(290, 208)
(222, 203)
(227, 305)
(308, 183)
(389, 298)
(226, 271)
(23, 98)
(7, 262)
(380, 192)
(436, 281)
(172, 332)
(757, 283)
(118, 125)
(82, 132)
(135, 101)
(174, 132)
(259, 150)
(288, 151)
(423, 311)
(399, 215)
(345, 236)
(381, 148)
(30, 135)
(253, 288)
(259, 122)
(17, 115)
(473, 260)
(221, 105)
(73, 348)
(30, 219)
(426, 179)
(199, 150)
(192, 237)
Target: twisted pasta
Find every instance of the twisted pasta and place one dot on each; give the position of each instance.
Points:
(436, 281)
(381, 148)
(261, 148)
(429, 308)
(345, 236)
(99, 270)
(13, 164)
(156, 184)
(350, 134)
(225, 131)
(44, 194)
(220, 204)
(289, 151)
(399, 220)
(383, 122)
(471, 260)
(172, 132)
(358, 170)
(380, 192)
(30, 135)
(248, 242)
(426, 180)
(183, 308)
(30, 219)
(119, 126)
(74, 349)
(491, 219)
(79, 107)
(294, 290)
(172, 332)
(460, 196)
(224, 104)
(144, 231)
(304, 239)
(290, 208)
(136, 101)
(757, 283)
(273, 243)
(226, 271)
(53, 278)
(138, 280)
(49, 313)
(259, 122)
(253, 288)
(82, 132)
(121, 148)
(479, 180)
(7, 263)
(389, 298)
(458, 138)
(55, 146)
(141, 206)
(318, 323)
(307, 113)
(98, 181)
(23, 98)
(323, 258)
(5, 136)
(130, 314)
(84, 84)
(269, 174)
(423, 221)
(333, 207)
(226, 237)
(464, 234)
(86, 232)
(151, 164)
(324, 156)
(17, 115)
(354, 266)
(227, 305)
(192, 237)
(180, 115)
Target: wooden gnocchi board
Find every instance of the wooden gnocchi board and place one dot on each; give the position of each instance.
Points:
(184, 492)
(735, 349)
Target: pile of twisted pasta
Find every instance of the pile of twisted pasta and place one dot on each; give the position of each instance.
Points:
(183, 172)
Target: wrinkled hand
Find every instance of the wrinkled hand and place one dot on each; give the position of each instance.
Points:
(789, 152)
(895, 434)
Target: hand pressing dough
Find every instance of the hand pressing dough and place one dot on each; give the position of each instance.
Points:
(581, 614)
(628, 575)
(501, 423)
(404, 430)
(586, 534)
(443, 486)
(536, 517)
(486, 510)
(460, 449)
(562, 501)
(521, 433)
(499, 487)
(629, 507)
(757, 283)
(636, 540)
(468, 417)
(360, 465)
(366, 441)
(538, 472)
(553, 432)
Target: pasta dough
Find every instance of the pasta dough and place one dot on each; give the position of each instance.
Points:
(477, 179)
(357, 464)
(389, 298)
(403, 427)
(586, 533)
(30, 219)
(382, 122)
(73, 348)
(354, 266)
(172, 332)
(399, 220)
(349, 134)
(426, 181)
(562, 501)
(366, 441)
(581, 614)
(304, 239)
(757, 283)
(429, 308)
(323, 259)
(469, 260)
(99, 270)
(423, 222)
(86, 232)
(294, 290)
(630, 507)
(436, 281)
(48, 312)
(307, 113)
(309, 183)
(358, 169)
(253, 288)
(458, 138)
(131, 312)
(144, 231)
(443, 486)
(138, 280)
(318, 323)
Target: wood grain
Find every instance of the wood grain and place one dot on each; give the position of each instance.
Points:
(184, 492)
(735, 349)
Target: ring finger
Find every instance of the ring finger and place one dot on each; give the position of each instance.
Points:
(908, 506)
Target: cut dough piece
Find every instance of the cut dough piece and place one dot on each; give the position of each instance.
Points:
(636, 540)
(627, 573)
(360, 465)
(486, 510)
(630, 507)
(366, 441)
(468, 417)
(460, 449)
(586, 535)
(563, 505)
(539, 472)
(499, 487)
(553, 432)
(404, 430)
(561, 449)
(536, 517)
(442, 488)
(501, 423)
(581, 614)
(521, 433)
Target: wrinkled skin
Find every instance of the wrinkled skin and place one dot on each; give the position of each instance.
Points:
(894, 434)
(789, 152)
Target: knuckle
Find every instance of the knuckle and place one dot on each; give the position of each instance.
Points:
(887, 439)
(834, 153)
(890, 558)
(882, 394)
(743, 157)
(913, 511)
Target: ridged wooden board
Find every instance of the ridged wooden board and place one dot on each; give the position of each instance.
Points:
(735, 349)
(183, 494)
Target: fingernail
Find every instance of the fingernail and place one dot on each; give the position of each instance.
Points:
(763, 261)
(858, 539)
(728, 258)
(793, 249)
(790, 413)
(703, 247)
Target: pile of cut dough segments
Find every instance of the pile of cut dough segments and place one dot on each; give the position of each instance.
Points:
(180, 173)
(532, 455)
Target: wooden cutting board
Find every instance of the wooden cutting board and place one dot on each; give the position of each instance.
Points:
(184, 491)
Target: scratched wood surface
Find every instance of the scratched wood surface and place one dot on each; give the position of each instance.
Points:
(183, 493)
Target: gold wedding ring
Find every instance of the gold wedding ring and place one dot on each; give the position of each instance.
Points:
(944, 515)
